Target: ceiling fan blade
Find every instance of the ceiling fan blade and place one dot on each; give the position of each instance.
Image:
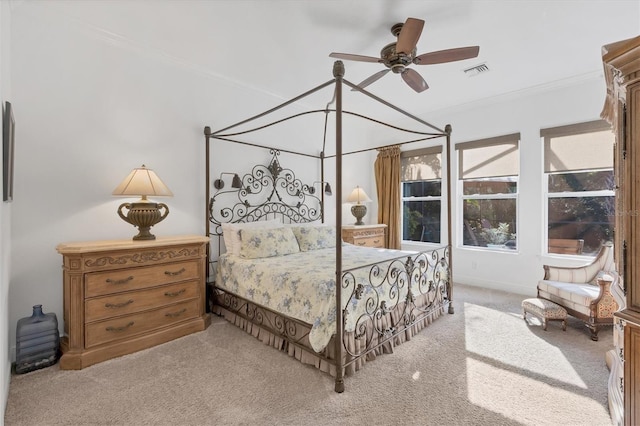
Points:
(409, 35)
(414, 80)
(350, 57)
(373, 78)
(448, 55)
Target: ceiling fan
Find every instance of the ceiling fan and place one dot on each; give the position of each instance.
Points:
(399, 55)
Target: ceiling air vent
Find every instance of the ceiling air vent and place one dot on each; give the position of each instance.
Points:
(476, 70)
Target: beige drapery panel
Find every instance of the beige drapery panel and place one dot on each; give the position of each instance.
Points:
(387, 171)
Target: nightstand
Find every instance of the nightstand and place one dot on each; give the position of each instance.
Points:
(365, 235)
(121, 296)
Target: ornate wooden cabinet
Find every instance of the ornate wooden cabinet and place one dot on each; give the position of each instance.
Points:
(122, 296)
(365, 235)
(622, 109)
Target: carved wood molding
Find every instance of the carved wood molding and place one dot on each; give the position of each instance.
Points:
(369, 232)
(621, 62)
(142, 257)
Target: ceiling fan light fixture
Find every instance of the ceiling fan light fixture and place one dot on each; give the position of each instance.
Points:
(398, 68)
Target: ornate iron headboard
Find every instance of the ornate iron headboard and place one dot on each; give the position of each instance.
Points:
(267, 192)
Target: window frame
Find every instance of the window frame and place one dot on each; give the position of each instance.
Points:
(567, 194)
(510, 139)
(427, 198)
(434, 150)
(502, 196)
(569, 130)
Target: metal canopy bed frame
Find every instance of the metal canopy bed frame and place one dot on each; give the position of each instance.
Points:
(430, 271)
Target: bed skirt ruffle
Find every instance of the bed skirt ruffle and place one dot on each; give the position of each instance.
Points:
(357, 355)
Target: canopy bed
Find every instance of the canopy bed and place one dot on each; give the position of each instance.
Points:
(283, 275)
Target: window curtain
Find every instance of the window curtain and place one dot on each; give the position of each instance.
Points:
(387, 171)
(491, 157)
(421, 164)
(577, 147)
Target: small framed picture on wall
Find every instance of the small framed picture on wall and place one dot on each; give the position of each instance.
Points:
(8, 141)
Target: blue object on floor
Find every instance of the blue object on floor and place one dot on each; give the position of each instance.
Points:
(37, 341)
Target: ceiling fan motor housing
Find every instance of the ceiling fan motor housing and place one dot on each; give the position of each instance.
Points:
(397, 61)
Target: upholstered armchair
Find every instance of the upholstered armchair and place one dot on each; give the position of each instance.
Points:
(584, 291)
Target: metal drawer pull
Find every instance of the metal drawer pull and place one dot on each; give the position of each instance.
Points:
(173, 274)
(119, 329)
(175, 314)
(122, 281)
(118, 305)
(174, 293)
(376, 241)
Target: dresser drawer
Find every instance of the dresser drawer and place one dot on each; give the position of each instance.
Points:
(377, 241)
(135, 301)
(100, 332)
(101, 283)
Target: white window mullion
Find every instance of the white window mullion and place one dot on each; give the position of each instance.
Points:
(490, 196)
(581, 194)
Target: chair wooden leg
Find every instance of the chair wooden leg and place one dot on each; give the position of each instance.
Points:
(594, 332)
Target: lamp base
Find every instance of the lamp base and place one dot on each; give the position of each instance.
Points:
(144, 234)
(143, 215)
(359, 211)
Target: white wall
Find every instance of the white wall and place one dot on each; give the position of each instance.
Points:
(525, 112)
(5, 219)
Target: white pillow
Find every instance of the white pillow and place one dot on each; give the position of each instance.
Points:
(231, 232)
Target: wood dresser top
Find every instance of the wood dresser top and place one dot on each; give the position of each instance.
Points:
(107, 245)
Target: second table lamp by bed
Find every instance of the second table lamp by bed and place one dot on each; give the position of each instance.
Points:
(144, 213)
(358, 210)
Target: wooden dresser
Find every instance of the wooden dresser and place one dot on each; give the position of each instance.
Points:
(365, 235)
(621, 62)
(122, 296)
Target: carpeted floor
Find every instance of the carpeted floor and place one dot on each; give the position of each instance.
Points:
(482, 365)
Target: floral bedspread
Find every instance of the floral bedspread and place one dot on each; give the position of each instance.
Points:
(302, 285)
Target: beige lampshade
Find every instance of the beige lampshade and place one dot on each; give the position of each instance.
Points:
(358, 196)
(144, 182)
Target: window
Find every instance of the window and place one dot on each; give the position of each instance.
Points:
(578, 166)
(421, 195)
(488, 172)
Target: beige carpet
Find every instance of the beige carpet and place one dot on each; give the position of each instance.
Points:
(481, 366)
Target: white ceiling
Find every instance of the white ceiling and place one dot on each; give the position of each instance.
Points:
(281, 47)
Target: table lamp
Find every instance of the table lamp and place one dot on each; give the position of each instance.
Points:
(358, 210)
(144, 213)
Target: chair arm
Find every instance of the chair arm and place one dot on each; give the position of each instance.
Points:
(604, 281)
(605, 304)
